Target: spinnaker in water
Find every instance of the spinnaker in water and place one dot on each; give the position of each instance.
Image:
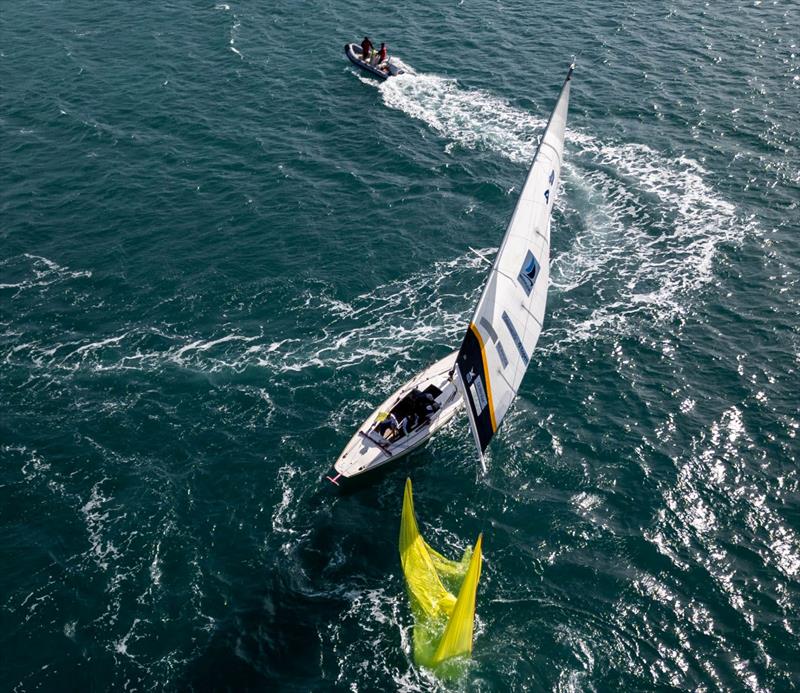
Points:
(443, 623)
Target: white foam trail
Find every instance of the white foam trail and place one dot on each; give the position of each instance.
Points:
(394, 319)
(202, 345)
(389, 321)
(469, 118)
(649, 227)
(234, 33)
(45, 272)
(95, 516)
(653, 222)
(121, 645)
(284, 512)
(379, 616)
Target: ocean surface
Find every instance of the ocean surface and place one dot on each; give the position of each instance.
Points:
(221, 246)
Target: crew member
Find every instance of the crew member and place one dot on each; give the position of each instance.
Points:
(424, 401)
(391, 428)
(366, 48)
(380, 56)
(389, 424)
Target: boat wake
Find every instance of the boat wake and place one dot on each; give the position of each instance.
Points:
(635, 241)
(469, 118)
(645, 227)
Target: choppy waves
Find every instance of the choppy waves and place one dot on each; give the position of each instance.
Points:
(638, 234)
(645, 228)
(164, 437)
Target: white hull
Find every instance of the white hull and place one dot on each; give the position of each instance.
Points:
(367, 450)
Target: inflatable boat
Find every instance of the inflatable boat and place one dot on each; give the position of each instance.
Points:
(383, 70)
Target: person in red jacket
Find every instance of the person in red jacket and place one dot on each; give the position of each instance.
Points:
(366, 49)
(381, 55)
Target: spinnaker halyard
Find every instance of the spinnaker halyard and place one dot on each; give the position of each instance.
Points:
(486, 372)
(505, 327)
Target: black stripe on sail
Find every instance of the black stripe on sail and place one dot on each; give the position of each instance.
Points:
(473, 376)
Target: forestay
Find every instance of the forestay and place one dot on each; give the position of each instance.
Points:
(508, 319)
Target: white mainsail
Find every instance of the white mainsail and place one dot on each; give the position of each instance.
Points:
(508, 318)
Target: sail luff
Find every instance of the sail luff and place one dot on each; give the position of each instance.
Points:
(508, 317)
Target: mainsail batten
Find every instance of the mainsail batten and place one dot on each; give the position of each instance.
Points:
(505, 327)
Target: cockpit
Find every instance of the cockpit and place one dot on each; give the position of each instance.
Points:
(410, 413)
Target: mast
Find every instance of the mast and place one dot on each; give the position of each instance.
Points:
(507, 321)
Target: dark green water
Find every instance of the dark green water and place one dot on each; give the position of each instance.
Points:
(221, 247)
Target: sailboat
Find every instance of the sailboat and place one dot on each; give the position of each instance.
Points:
(485, 374)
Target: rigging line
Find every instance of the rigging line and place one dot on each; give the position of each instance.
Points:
(547, 144)
(502, 274)
(508, 382)
(538, 322)
(481, 256)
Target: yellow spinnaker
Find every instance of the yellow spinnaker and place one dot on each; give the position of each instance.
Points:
(442, 623)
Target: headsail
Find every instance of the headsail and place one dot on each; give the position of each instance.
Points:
(508, 318)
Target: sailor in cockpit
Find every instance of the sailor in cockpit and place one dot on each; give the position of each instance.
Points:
(424, 402)
(390, 427)
(414, 410)
(423, 405)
